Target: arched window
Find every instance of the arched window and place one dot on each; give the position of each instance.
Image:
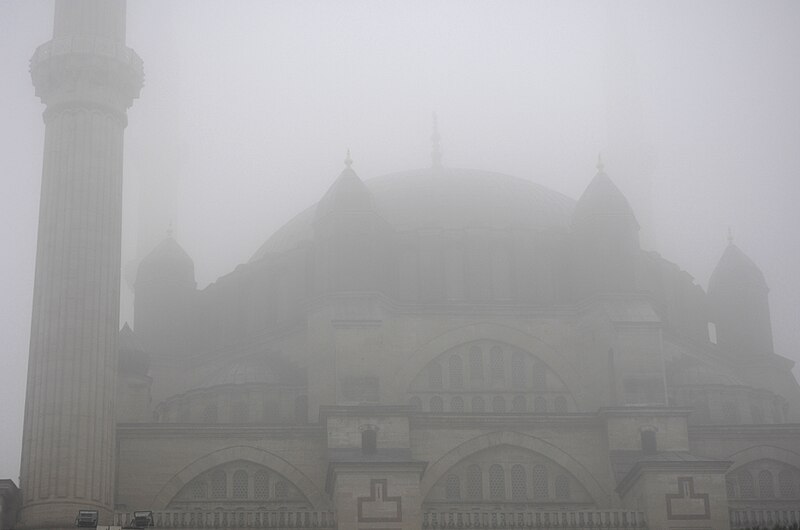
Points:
(301, 409)
(210, 413)
(560, 404)
(540, 404)
(434, 375)
(539, 375)
(519, 403)
(436, 404)
(518, 370)
(199, 489)
(240, 484)
(540, 486)
(497, 482)
(561, 487)
(474, 482)
(281, 489)
(497, 369)
(730, 487)
(415, 403)
(261, 485)
(453, 488)
(456, 372)
(649, 442)
(457, 404)
(498, 404)
(519, 483)
(786, 484)
(219, 484)
(730, 413)
(766, 485)
(756, 414)
(183, 413)
(746, 487)
(478, 404)
(239, 412)
(476, 366)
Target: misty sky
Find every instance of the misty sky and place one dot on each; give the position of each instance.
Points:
(248, 109)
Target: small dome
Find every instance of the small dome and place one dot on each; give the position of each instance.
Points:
(602, 198)
(736, 270)
(132, 356)
(168, 262)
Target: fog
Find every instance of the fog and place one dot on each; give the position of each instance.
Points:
(249, 108)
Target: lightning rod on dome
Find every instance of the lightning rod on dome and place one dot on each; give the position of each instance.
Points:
(348, 161)
(730, 236)
(436, 149)
(600, 166)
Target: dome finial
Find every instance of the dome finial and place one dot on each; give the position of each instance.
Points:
(169, 230)
(730, 236)
(348, 161)
(600, 166)
(436, 151)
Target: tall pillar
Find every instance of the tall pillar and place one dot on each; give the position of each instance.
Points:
(87, 78)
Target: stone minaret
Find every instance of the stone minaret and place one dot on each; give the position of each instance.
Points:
(87, 78)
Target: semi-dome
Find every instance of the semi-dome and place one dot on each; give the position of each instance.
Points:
(445, 198)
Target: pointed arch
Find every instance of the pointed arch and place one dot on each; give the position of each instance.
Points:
(241, 452)
(438, 469)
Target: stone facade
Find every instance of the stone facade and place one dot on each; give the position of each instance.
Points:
(434, 347)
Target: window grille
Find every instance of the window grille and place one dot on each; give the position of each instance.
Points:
(219, 484)
(239, 412)
(730, 413)
(434, 375)
(518, 370)
(560, 404)
(757, 414)
(498, 404)
(453, 488)
(497, 367)
(730, 487)
(519, 483)
(746, 487)
(240, 485)
(478, 404)
(199, 489)
(261, 485)
(183, 413)
(476, 366)
(540, 486)
(281, 489)
(519, 404)
(786, 484)
(415, 403)
(497, 482)
(561, 487)
(457, 404)
(540, 404)
(456, 372)
(474, 482)
(766, 485)
(436, 404)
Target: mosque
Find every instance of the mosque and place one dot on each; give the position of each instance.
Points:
(435, 348)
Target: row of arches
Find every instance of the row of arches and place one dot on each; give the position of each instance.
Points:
(260, 485)
(478, 404)
(500, 489)
(744, 485)
(520, 373)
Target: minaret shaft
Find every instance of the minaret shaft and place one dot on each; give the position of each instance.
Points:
(87, 78)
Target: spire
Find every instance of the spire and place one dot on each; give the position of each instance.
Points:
(436, 151)
(600, 166)
(348, 161)
(730, 236)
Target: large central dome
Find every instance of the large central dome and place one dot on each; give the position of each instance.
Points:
(447, 199)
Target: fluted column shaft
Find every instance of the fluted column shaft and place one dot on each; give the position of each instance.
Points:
(87, 78)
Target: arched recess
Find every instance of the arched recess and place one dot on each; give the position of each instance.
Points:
(763, 452)
(241, 452)
(438, 469)
(496, 332)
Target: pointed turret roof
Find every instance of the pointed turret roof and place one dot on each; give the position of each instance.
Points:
(167, 261)
(133, 358)
(736, 269)
(347, 194)
(602, 198)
